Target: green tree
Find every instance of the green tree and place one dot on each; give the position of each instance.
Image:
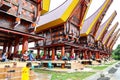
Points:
(116, 53)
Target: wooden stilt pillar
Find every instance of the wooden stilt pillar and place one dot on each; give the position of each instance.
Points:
(72, 52)
(48, 52)
(44, 56)
(16, 47)
(38, 53)
(97, 55)
(4, 46)
(9, 49)
(24, 44)
(53, 53)
(90, 54)
(85, 54)
(62, 52)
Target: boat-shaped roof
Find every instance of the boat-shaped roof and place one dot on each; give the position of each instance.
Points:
(112, 38)
(104, 27)
(97, 16)
(59, 15)
(109, 35)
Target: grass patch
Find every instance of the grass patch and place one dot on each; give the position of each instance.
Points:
(99, 67)
(65, 76)
(102, 67)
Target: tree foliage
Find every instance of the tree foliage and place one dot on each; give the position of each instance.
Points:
(116, 53)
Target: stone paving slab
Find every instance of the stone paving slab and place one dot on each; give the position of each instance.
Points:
(105, 72)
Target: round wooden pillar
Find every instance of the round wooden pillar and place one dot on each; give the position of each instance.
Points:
(4, 47)
(38, 53)
(16, 46)
(24, 44)
(45, 54)
(9, 49)
(97, 55)
(53, 53)
(62, 52)
(85, 54)
(90, 55)
(72, 52)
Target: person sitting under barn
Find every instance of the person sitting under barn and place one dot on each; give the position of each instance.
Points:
(64, 58)
(31, 57)
(4, 57)
(25, 56)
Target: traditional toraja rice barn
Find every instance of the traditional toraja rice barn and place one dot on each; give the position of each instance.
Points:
(61, 27)
(89, 29)
(101, 33)
(17, 21)
(106, 39)
(113, 43)
(111, 39)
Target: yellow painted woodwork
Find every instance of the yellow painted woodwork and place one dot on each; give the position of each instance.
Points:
(95, 20)
(45, 6)
(110, 34)
(107, 24)
(63, 18)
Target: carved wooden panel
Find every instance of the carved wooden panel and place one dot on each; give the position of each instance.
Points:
(22, 8)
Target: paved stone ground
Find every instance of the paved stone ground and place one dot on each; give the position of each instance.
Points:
(114, 76)
(41, 76)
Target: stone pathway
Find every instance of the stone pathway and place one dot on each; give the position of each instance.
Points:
(112, 76)
(116, 76)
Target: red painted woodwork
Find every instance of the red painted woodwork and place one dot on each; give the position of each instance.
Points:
(53, 53)
(24, 44)
(45, 53)
(9, 48)
(97, 55)
(4, 46)
(85, 54)
(62, 51)
(16, 46)
(72, 52)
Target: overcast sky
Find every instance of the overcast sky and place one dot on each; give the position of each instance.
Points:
(93, 7)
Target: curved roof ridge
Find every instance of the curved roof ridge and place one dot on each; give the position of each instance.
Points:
(90, 21)
(104, 27)
(113, 38)
(109, 33)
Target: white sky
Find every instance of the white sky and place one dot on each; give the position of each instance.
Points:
(93, 7)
